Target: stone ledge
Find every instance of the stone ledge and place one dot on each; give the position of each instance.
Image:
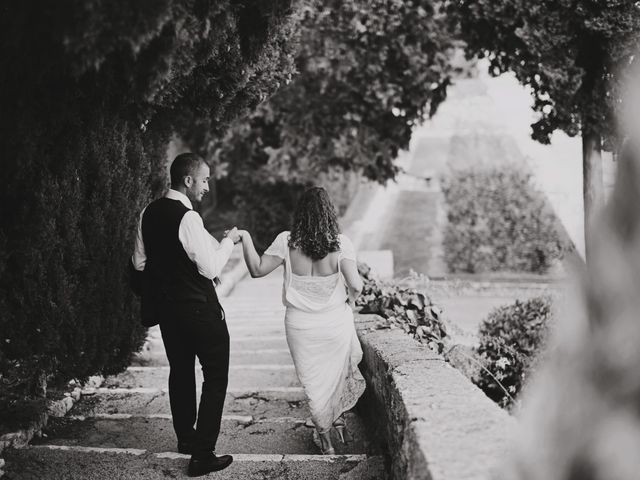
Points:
(55, 408)
(437, 424)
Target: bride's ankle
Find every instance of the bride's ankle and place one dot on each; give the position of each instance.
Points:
(325, 438)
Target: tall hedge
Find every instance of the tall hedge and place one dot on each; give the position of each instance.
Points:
(90, 93)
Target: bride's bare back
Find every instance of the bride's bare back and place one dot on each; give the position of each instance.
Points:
(303, 265)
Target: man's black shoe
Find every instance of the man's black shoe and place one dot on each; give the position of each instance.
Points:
(210, 463)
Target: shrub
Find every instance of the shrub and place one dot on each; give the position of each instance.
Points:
(511, 339)
(402, 307)
(497, 221)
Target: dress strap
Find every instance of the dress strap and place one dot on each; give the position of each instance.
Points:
(287, 265)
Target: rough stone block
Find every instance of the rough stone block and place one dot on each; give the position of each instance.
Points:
(59, 408)
(76, 394)
(437, 424)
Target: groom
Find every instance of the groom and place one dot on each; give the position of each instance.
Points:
(180, 260)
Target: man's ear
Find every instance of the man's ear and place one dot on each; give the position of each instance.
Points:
(188, 181)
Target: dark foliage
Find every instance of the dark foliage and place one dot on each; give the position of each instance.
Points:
(265, 209)
(402, 307)
(90, 93)
(569, 52)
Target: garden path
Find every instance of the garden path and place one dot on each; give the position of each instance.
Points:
(123, 430)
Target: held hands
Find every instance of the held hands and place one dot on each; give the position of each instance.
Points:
(233, 235)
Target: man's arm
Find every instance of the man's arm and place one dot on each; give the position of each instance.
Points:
(199, 245)
(139, 257)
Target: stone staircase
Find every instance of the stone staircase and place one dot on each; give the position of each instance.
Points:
(123, 430)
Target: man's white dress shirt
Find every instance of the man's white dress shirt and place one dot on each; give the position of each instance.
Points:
(209, 256)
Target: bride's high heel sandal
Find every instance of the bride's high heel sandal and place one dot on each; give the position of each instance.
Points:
(341, 427)
(325, 442)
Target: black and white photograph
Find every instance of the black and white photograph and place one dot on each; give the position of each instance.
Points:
(320, 240)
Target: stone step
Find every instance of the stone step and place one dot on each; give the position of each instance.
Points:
(252, 329)
(243, 323)
(248, 325)
(76, 463)
(249, 377)
(284, 435)
(263, 290)
(248, 312)
(245, 341)
(259, 405)
(237, 357)
(267, 300)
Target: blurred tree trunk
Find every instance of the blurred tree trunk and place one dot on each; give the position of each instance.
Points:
(593, 189)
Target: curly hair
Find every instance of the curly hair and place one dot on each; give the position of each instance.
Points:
(315, 225)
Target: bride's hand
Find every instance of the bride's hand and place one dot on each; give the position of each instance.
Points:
(233, 235)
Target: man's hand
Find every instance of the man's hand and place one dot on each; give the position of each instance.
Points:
(233, 235)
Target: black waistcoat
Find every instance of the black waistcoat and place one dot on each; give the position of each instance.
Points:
(171, 275)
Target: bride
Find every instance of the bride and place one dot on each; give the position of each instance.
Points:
(321, 335)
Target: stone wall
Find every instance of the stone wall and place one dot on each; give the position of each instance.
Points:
(436, 424)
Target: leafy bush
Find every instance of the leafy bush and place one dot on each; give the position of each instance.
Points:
(511, 340)
(497, 221)
(402, 307)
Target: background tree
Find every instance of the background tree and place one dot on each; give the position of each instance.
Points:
(369, 71)
(570, 54)
(90, 93)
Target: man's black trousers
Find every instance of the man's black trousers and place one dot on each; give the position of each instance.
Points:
(190, 330)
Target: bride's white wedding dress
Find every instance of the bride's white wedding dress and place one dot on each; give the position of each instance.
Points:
(321, 336)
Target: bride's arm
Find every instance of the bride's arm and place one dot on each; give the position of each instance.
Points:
(258, 266)
(354, 281)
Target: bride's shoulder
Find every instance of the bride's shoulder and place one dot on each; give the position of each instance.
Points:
(283, 237)
(279, 245)
(343, 239)
(347, 250)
